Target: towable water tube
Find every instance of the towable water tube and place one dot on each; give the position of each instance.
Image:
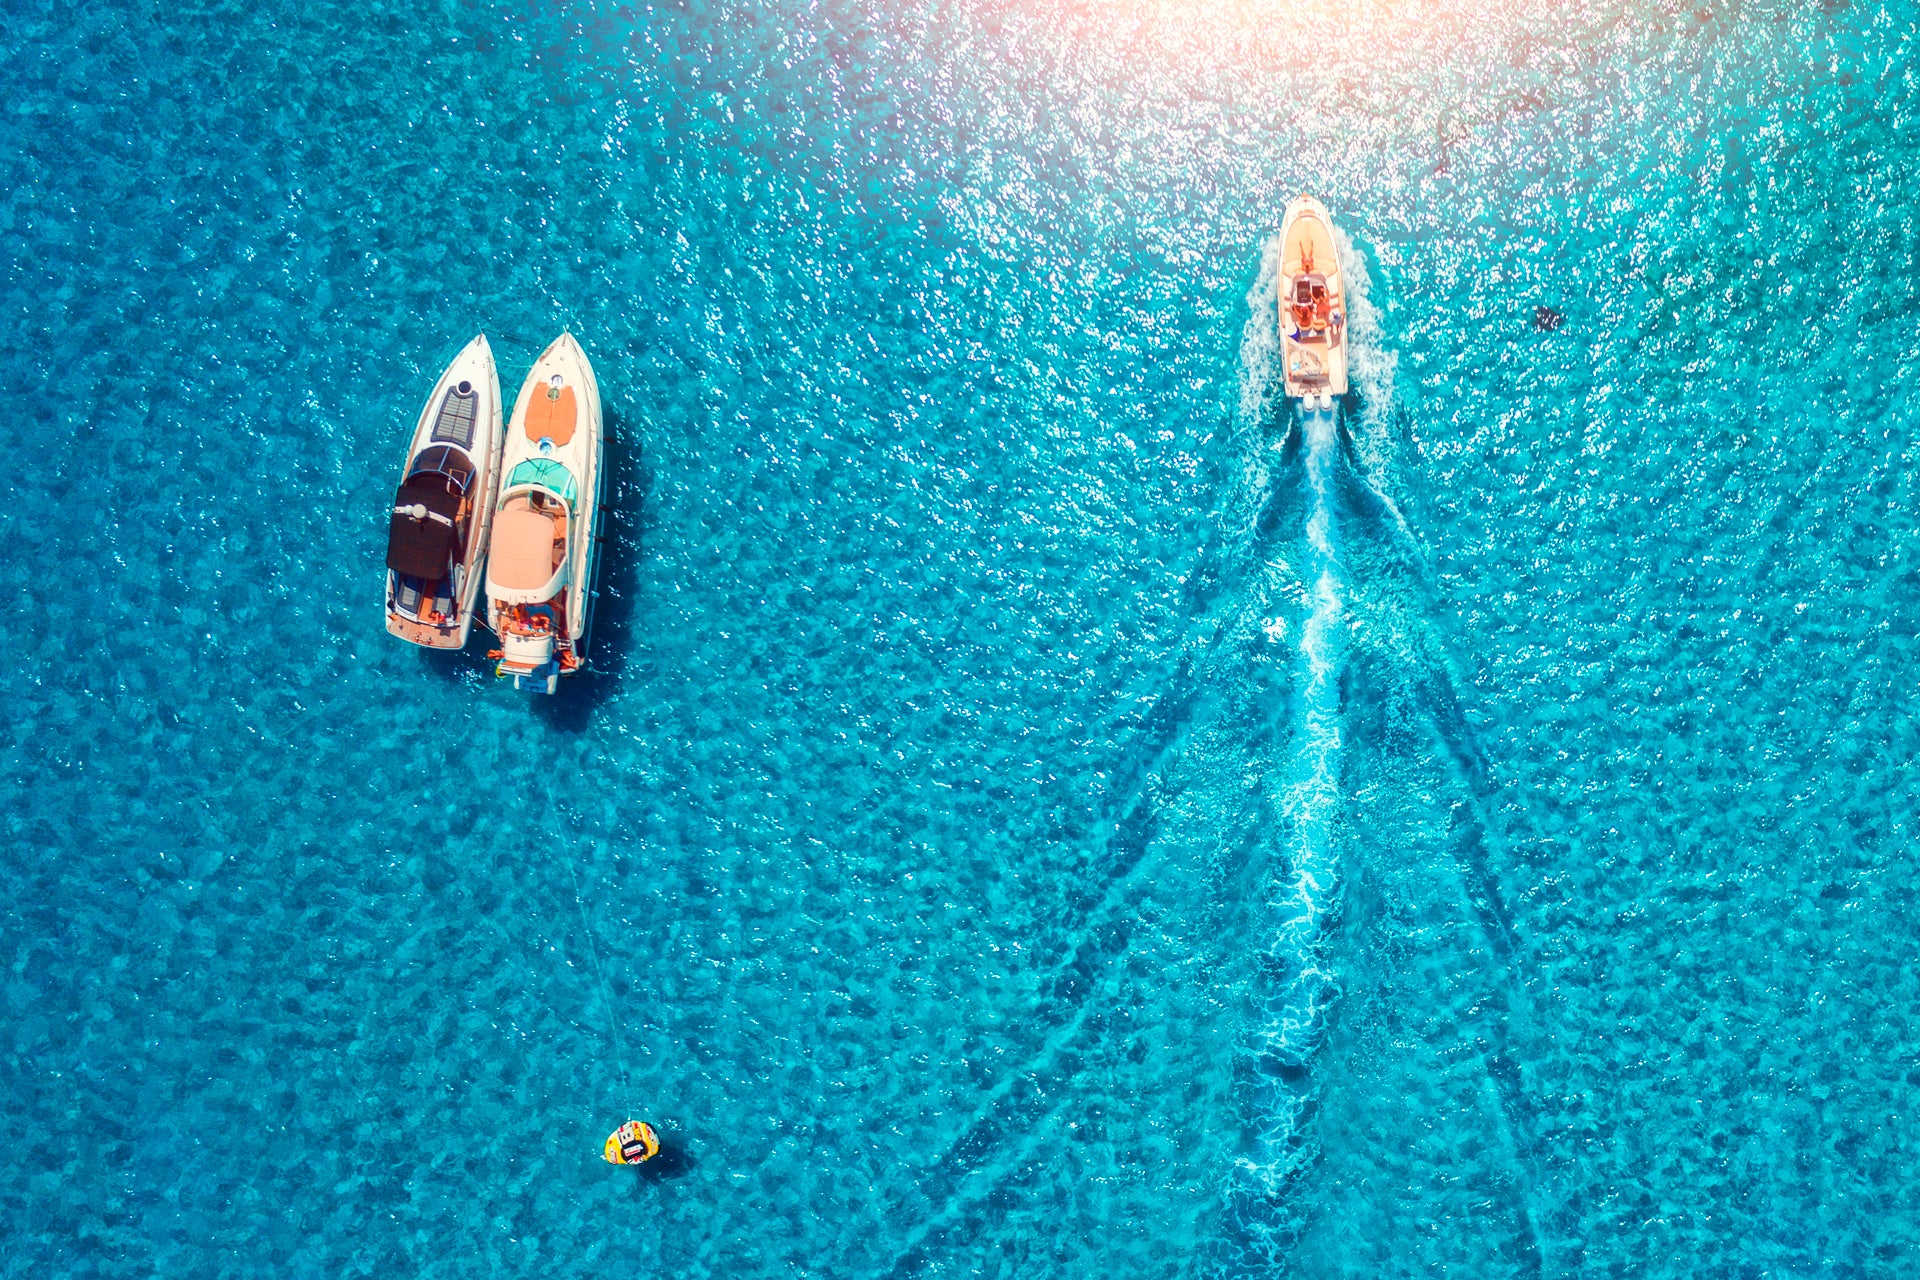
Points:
(632, 1143)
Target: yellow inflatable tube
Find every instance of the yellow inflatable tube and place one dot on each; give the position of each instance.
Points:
(632, 1143)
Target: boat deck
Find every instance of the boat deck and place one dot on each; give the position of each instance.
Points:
(551, 416)
(1312, 310)
(529, 541)
(433, 637)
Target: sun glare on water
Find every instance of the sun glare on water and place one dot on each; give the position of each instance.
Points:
(1271, 35)
(1245, 25)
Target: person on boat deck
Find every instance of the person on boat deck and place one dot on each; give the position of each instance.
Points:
(531, 618)
(1302, 306)
(1322, 307)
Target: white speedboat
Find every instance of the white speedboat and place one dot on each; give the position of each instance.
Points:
(441, 515)
(1313, 306)
(546, 523)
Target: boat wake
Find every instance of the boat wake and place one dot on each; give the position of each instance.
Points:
(1303, 889)
(1312, 476)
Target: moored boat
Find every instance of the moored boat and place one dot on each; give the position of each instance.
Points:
(1313, 306)
(546, 522)
(437, 533)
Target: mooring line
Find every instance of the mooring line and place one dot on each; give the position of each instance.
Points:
(606, 989)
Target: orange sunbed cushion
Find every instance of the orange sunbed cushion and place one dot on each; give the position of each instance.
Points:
(521, 557)
(550, 419)
(1309, 233)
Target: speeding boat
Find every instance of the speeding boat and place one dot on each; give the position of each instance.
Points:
(1313, 307)
(546, 523)
(438, 530)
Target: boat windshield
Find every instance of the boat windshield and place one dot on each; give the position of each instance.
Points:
(546, 473)
(446, 461)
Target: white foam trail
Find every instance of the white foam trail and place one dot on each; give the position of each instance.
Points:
(1259, 377)
(1305, 893)
(1314, 797)
(1260, 339)
(1371, 368)
(1370, 365)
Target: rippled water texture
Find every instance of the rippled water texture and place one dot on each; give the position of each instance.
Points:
(1044, 811)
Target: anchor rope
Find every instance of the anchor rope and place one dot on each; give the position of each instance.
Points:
(606, 989)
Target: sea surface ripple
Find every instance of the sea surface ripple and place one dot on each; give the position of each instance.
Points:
(1045, 810)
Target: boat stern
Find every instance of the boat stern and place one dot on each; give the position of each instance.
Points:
(426, 613)
(428, 635)
(530, 660)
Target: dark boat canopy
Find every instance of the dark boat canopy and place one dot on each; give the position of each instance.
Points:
(422, 541)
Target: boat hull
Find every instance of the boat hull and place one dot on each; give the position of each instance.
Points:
(458, 431)
(540, 577)
(1313, 304)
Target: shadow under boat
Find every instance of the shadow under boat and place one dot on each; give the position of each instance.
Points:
(458, 665)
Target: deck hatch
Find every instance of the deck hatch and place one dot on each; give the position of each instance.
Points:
(454, 422)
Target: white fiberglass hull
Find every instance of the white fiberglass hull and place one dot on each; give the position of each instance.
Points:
(547, 521)
(1313, 305)
(431, 591)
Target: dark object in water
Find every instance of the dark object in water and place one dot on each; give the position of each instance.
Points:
(1546, 319)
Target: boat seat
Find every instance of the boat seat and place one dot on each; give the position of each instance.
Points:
(1308, 238)
(523, 557)
(549, 418)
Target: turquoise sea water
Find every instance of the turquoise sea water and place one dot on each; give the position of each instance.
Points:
(1043, 810)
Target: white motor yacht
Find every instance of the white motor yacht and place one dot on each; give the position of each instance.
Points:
(438, 530)
(1313, 306)
(546, 522)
